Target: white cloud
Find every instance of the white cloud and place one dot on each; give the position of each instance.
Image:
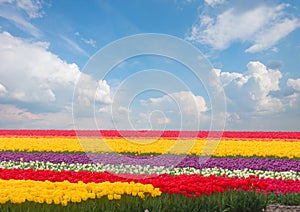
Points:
(33, 8)
(294, 83)
(19, 21)
(271, 36)
(251, 97)
(179, 109)
(12, 113)
(89, 41)
(123, 109)
(240, 25)
(89, 91)
(163, 120)
(189, 102)
(187, 99)
(250, 91)
(188, 1)
(13, 117)
(256, 101)
(228, 77)
(274, 49)
(103, 94)
(214, 2)
(38, 87)
(293, 100)
(31, 73)
(3, 90)
(19, 11)
(155, 119)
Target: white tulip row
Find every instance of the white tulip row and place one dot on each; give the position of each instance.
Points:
(138, 169)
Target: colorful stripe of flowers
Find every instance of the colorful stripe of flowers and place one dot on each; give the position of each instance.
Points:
(244, 148)
(56, 167)
(265, 164)
(186, 184)
(149, 134)
(19, 191)
(150, 170)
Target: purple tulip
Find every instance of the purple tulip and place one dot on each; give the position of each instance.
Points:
(267, 164)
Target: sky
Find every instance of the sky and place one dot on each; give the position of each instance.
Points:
(161, 64)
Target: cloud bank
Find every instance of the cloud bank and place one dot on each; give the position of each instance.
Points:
(258, 24)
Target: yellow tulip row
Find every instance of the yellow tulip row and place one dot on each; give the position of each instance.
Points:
(225, 147)
(19, 191)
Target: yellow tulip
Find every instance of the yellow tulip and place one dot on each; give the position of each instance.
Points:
(18, 191)
(224, 147)
(117, 196)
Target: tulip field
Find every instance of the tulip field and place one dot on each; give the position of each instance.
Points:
(67, 170)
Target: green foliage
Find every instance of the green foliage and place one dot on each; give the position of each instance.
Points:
(223, 202)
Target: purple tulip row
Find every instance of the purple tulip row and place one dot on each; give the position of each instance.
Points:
(164, 160)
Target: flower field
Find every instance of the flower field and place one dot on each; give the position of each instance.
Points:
(50, 170)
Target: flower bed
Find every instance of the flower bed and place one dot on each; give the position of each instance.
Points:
(49, 167)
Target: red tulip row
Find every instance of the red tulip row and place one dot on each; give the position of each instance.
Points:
(149, 134)
(189, 185)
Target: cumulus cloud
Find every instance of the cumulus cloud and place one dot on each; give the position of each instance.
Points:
(242, 25)
(36, 88)
(189, 102)
(89, 91)
(258, 100)
(103, 94)
(250, 91)
(294, 83)
(32, 74)
(293, 97)
(178, 109)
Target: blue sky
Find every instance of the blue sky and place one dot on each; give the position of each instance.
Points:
(252, 48)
